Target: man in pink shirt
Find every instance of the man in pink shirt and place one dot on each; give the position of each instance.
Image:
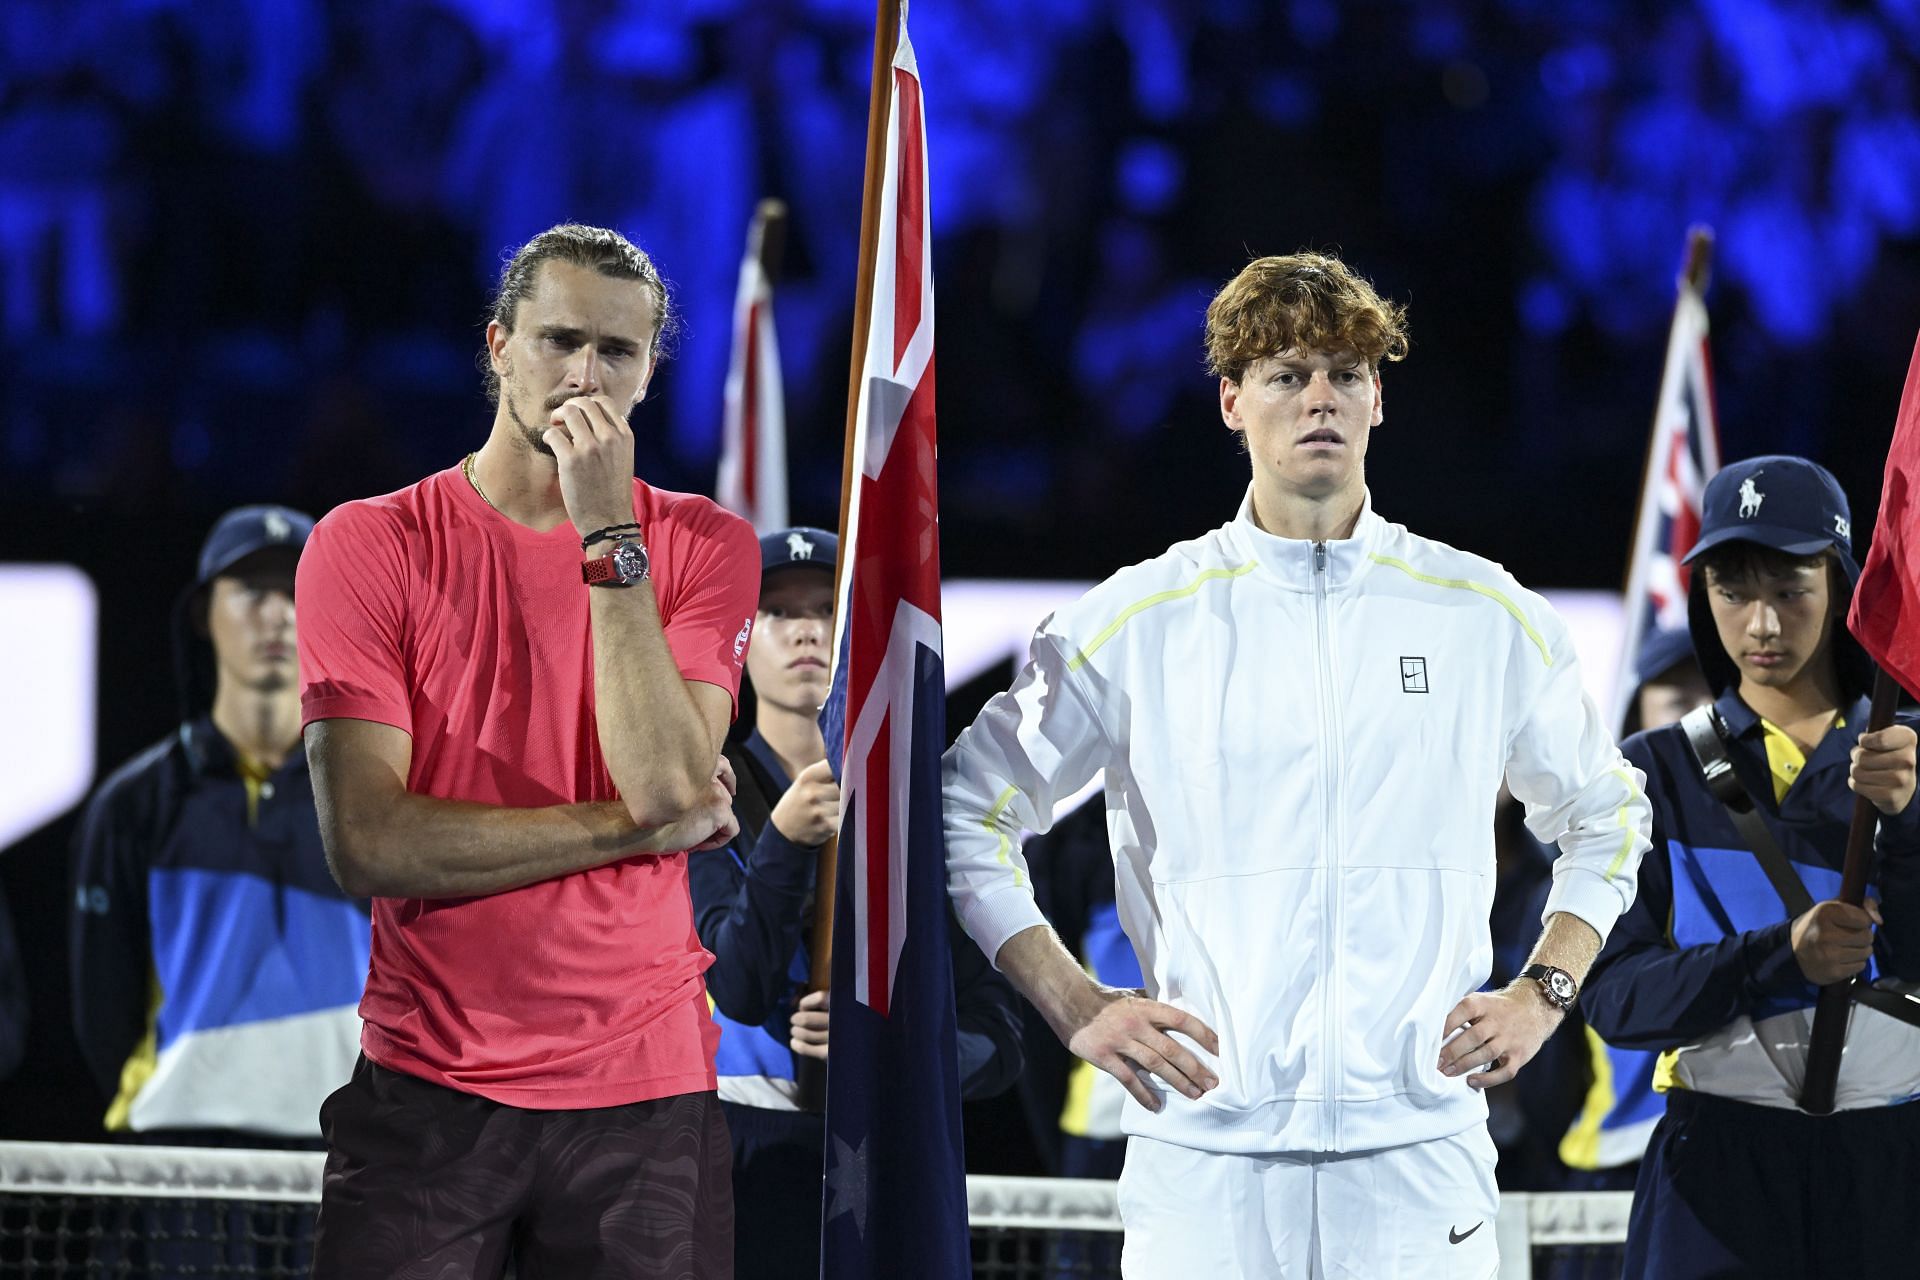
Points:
(516, 676)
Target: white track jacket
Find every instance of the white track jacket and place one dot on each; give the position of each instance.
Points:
(1303, 745)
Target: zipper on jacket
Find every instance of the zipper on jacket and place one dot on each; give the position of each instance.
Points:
(1329, 936)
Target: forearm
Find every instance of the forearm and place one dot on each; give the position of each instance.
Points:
(1568, 943)
(1658, 997)
(1041, 968)
(657, 745)
(1645, 993)
(414, 846)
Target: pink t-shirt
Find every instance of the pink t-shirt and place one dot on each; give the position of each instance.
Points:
(430, 611)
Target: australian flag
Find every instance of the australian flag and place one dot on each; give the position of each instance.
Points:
(895, 1179)
(1683, 455)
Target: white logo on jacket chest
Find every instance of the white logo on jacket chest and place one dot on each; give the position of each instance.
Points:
(1413, 675)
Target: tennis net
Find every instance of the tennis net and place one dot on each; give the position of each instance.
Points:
(83, 1210)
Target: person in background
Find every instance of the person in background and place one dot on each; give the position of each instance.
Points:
(1717, 967)
(216, 965)
(753, 904)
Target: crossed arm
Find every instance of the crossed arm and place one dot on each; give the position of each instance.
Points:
(383, 840)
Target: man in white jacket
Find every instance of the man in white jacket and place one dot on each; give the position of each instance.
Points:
(1304, 717)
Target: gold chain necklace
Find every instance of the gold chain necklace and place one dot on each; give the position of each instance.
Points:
(466, 469)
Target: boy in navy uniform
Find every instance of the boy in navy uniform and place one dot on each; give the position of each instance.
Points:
(753, 906)
(1712, 968)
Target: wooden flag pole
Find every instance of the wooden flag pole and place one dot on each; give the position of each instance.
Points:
(1699, 257)
(1835, 1006)
(886, 40)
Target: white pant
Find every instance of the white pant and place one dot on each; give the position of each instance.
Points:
(1423, 1211)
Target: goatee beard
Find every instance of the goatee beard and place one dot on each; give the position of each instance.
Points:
(535, 439)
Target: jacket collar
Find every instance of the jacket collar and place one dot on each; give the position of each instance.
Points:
(757, 747)
(1743, 722)
(1290, 561)
(209, 754)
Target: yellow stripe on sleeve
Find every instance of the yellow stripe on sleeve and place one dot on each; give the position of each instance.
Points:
(1626, 831)
(992, 823)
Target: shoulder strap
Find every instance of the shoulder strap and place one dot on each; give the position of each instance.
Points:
(1895, 1004)
(752, 788)
(1707, 736)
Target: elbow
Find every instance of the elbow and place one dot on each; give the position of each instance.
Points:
(665, 802)
(353, 859)
(353, 875)
(1004, 1062)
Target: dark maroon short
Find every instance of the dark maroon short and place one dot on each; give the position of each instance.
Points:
(425, 1182)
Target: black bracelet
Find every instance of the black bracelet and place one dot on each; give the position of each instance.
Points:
(611, 531)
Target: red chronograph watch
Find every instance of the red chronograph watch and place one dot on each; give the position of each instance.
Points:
(625, 565)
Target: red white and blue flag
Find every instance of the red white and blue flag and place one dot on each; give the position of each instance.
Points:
(895, 1176)
(1683, 456)
(753, 443)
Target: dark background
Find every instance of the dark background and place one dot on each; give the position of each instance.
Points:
(246, 246)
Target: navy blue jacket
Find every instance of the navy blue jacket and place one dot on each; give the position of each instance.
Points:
(754, 912)
(1705, 951)
(214, 956)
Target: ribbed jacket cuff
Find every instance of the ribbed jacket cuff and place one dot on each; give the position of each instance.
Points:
(1587, 895)
(995, 917)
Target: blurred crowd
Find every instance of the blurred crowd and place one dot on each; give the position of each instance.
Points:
(273, 220)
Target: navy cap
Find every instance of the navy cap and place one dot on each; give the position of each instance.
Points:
(1786, 503)
(800, 545)
(245, 530)
(1663, 649)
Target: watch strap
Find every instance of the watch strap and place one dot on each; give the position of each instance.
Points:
(598, 570)
(625, 565)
